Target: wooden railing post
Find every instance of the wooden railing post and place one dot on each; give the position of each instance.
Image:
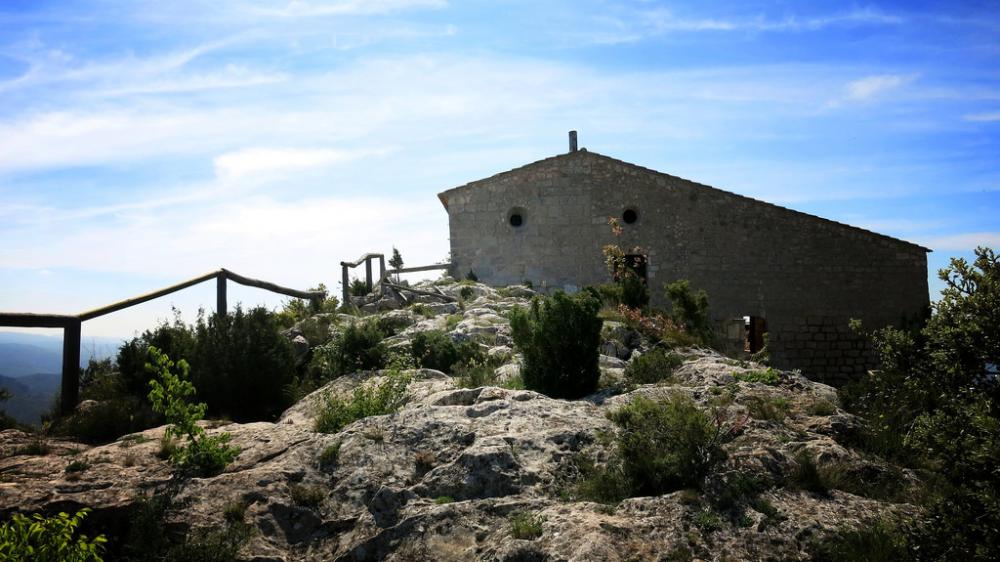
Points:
(368, 274)
(220, 294)
(347, 285)
(381, 268)
(70, 392)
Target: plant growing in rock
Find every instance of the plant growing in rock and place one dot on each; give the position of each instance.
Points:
(396, 261)
(358, 288)
(370, 399)
(526, 526)
(49, 539)
(769, 376)
(169, 394)
(358, 347)
(559, 338)
(621, 263)
(434, 349)
(689, 308)
(652, 367)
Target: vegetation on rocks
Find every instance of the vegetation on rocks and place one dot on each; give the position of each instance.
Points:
(49, 539)
(434, 349)
(559, 337)
(358, 347)
(370, 399)
(655, 366)
(169, 393)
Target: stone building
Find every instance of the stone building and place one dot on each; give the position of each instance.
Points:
(798, 277)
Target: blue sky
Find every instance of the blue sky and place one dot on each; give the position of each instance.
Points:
(146, 142)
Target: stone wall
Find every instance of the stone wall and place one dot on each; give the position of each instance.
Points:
(804, 275)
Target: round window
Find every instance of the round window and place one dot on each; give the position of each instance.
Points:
(516, 217)
(630, 216)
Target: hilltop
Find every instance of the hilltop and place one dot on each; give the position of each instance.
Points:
(487, 473)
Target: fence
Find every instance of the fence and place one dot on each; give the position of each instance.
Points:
(71, 324)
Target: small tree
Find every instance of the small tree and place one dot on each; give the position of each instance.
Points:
(396, 261)
(559, 338)
(169, 394)
(633, 290)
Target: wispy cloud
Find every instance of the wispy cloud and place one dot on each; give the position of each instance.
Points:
(302, 9)
(870, 86)
(989, 116)
(965, 242)
(265, 161)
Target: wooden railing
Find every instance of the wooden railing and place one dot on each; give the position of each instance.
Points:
(71, 324)
(345, 277)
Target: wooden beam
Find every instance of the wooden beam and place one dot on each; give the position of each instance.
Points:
(29, 320)
(346, 285)
(70, 392)
(271, 286)
(91, 314)
(220, 293)
(421, 268)
(368, 275)
(361, 259)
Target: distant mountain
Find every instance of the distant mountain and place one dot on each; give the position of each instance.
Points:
(31, 396)
(26, 354)
(18, 359)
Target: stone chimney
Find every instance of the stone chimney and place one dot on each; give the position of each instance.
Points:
(572, 141)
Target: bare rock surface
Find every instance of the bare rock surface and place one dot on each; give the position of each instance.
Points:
(441, 478)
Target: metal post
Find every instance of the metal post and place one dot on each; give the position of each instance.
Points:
(346, 284)
(220, 294)
(368, 273)
(70, 367)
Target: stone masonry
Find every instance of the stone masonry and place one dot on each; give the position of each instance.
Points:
(805, 276)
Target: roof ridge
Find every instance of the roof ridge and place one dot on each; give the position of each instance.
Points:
(444, 199)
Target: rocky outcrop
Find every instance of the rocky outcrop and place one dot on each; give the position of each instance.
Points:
(441, 478)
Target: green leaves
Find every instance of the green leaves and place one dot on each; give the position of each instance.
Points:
(48, 539)
(169, 394)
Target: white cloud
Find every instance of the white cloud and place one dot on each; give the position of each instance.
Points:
(870, 86)
(983, 117)
(256, 161)
(302, 9)
(962, 242)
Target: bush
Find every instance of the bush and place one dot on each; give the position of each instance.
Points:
(526, 526)
(358, 288)
(296, 310)
(768, 376)
(935, 403)
(655, 366)
(48, 539)
(168, 394)
(371, 399)
(559, 338)
(690, 309)
(666, 446)
(879, 541)
(434, 349)
(634, 293)
(358, 347)
(768, 408)
(240, 362)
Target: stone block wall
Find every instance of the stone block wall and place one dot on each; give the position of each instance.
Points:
(806, 276)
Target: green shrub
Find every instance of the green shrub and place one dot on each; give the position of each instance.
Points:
(358, 288)
(441, 500)
(475, 372)
(296, 310)
(358, 347)
(115, 412)
(610, 294)
(559, 338)
(371, 399)
(36, 447)
(330, 455)
(653, 367)
(689, 309)
(878, 541)
(169, 394)
(466, 293)
(634, 293)
(667, 445)
(821, 407)
(526, 526)
(48, 539)
(77, 466)
(708, 521)
(307, 496)
(434, 349)
(768, 408)
(768, 376)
